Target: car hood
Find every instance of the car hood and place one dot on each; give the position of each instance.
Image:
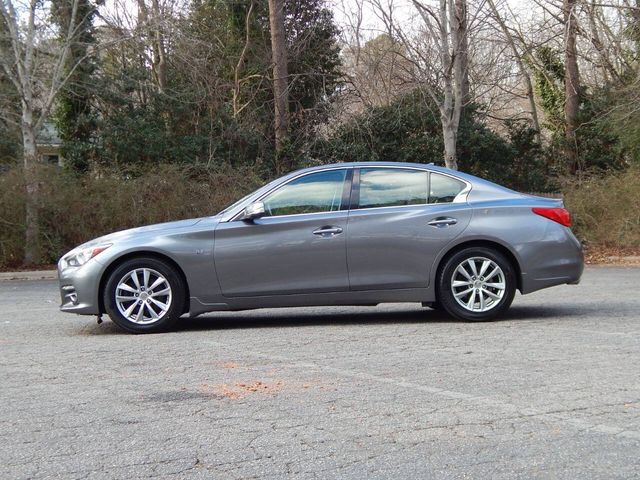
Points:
(156, 229)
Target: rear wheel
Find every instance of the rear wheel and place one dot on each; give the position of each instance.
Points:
(476, 284)
(144, 295)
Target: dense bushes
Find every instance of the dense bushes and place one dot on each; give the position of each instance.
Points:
(75, 209)
(606, 209)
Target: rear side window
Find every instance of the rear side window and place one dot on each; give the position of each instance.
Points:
(392, 187)
(313, 193)
(444, 189)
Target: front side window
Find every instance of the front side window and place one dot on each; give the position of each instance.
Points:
(444, 189)
(392, 187)
(313, 193)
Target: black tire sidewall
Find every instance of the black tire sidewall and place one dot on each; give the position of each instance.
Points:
(445, 295)
(177, 291)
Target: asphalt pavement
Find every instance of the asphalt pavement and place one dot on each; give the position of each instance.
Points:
(395, 391)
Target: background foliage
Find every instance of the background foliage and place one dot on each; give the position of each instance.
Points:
(143, 147)
(119, 200)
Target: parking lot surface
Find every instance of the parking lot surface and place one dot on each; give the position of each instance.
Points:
(394, 391)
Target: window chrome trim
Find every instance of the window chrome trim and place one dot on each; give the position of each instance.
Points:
(282, 185)
(301, 214)
(459, 198)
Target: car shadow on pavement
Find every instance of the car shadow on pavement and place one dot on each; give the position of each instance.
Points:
(365, 316)
(359, 316)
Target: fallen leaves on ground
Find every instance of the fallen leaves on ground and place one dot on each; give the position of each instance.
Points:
(599, 255)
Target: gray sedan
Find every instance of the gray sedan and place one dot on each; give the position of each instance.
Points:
(344, 234)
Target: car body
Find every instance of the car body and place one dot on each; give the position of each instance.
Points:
(342, 234)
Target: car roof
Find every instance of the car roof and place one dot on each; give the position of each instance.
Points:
(424, 166)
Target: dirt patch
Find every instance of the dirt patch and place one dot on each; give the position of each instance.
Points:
(240, 390)
(230, 365)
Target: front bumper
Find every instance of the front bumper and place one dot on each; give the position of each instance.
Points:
(79, 288)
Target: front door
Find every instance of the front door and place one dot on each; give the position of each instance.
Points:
(402, 219)
(299, 246)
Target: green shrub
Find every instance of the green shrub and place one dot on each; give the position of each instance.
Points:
(11, 217)
(606, 209)
(74, 209)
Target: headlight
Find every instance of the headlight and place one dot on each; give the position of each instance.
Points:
(81, 257)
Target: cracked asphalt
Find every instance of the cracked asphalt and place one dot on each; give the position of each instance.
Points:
(394, 391)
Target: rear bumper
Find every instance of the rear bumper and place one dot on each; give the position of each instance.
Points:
(557, 260)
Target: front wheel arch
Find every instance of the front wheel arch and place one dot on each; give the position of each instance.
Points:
(139, 254)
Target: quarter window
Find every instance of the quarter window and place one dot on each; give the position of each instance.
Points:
(313, 193)
(444, 189)
(391, 187)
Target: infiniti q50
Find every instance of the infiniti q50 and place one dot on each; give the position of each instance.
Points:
(343, 234)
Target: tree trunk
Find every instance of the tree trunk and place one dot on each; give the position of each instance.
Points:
(454, 77)
(571, 85)
(459, 25)
(280, 74)
(159, 53)
(30, 156)
(450, 145)
(532, 101)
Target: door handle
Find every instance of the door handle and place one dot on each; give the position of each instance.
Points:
(326, 231)
(443, 222)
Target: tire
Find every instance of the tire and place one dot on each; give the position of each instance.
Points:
(135, 278)
(482, 294)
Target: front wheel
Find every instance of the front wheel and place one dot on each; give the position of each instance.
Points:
(144, 295)
(476, 284)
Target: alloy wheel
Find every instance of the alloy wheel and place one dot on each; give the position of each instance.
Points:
(143, 296)
(478, 284)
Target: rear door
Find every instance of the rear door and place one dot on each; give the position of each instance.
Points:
(401, 218)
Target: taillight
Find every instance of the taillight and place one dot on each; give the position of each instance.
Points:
(559, 215)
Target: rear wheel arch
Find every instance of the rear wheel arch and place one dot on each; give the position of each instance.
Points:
(141, 254)
(486, 244)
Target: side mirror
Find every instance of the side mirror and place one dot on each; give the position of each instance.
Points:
(255, 210)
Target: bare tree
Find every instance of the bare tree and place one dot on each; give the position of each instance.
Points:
(571, 83)
(459, 26)
(237, 80)
(378, 72)
(280, 74)
(520, 61)
(36, 67)
(151, 21)
(446, 28)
